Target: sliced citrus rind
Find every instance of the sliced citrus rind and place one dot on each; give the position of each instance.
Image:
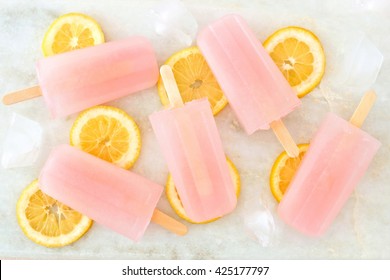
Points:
(299, 55)
(48, 222)
(108, 133)
(175, 202)
(71, 31)
(283, 171)
(194, 79)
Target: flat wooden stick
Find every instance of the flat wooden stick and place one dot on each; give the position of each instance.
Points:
(171, 86)
(168, 222)
(363, 108)
(285, 138)
(21, 95)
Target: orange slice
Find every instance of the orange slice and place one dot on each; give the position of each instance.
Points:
(194, 79)
(108, 133)
(70, 32)
(47, 221)
(299, 55)
(283, 171)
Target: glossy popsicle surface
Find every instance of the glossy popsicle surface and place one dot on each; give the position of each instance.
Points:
(116, 198)
(337, 159)
(256, 89)
(192, 147)
(76, 80)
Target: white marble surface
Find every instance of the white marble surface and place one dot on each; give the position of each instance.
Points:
(361, 231)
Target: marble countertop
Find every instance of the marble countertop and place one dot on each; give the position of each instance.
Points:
(361, 231)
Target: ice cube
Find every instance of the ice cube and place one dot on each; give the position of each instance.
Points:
(173, 20)
(351, 7)
(353, 61)
(260, 224)
(22, 142)
(360, 63)
(378, 6)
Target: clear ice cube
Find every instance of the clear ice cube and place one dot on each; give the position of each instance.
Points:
(353, 61)
(22, 142)
(378, 6)
(260, 224)
(359, 63)
(351, 7)
(173, 20)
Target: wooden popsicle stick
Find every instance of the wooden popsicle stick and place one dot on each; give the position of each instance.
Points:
(21, 95)
(363, 108)
(171, 86)
(168, 222)
(285, 138)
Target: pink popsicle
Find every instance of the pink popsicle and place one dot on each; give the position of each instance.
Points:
(256, 89)
(76, 80)
(337, 159)
(190, 142)
(116, 198)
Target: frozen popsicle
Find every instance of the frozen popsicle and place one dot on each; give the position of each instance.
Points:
(256, 89)
(114, 197)
(73, 81)
(192, 147)
(337, 159)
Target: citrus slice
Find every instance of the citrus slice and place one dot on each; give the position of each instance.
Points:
(108, 133)
(299, 55)
(70, 32)
(48, 222)
(283, 171)
(194, 79)
(174, 199)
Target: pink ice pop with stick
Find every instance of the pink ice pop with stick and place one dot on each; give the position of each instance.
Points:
(114, 197)
(190, 142)
(73, 81)
(336, 160)
(257, 91)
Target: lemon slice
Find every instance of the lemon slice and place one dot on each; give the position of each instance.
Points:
(299, 55)
(174, 199)
(48, 222)
(194, 79)
(283, 171)
(70, 32)
(108, 133)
